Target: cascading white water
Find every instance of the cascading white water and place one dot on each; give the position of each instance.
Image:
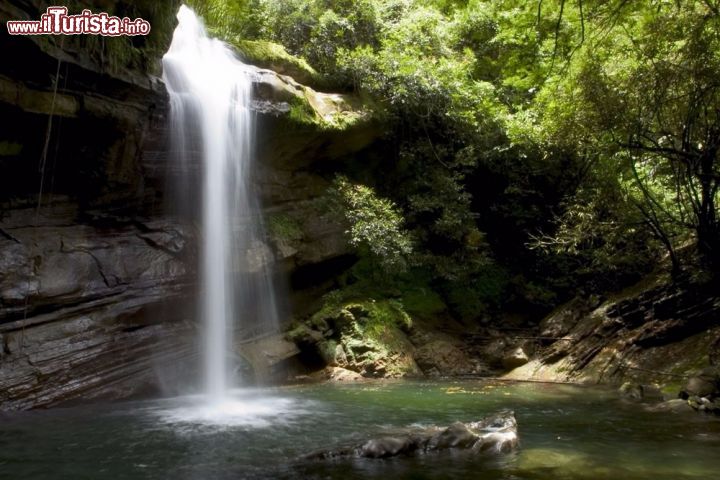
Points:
(213, 125)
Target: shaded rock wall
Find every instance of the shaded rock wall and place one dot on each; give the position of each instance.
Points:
(93, 276)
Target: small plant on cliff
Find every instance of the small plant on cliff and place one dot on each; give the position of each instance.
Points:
(284, 227)
(376, 225)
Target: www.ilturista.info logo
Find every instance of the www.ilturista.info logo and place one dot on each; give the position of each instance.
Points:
(56, 21)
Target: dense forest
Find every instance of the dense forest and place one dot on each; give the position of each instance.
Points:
(534, 150)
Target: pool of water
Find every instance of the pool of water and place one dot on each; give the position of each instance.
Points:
(566, 433)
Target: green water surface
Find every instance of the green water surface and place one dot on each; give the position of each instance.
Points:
(566, 433)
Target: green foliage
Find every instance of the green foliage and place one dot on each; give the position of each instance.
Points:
(318, 29)
(409, 293)
(422, 301)
(274, 56)
(644, 98)
(375, 224)
(480, 295)
(600, 230)
(533, 149)
(229, 19)
(302, 113)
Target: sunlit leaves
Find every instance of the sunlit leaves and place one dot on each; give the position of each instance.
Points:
(376, 225)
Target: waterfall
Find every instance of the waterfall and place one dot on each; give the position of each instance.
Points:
(213, 128)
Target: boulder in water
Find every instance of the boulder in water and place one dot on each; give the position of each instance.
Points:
(703, 404)
(640, 393)
(493, 435)
(705, 384)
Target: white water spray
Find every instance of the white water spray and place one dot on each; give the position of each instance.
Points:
(213, 125)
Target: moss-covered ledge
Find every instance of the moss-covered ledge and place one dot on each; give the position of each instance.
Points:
(273, 56)
(284, 97)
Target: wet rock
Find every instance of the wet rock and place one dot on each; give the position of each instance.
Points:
(559, 322)
(714, 353)
(493, 435)
(515, 358)
(389, 447)
(705, 384)
(705, 405)
(711, 374)
(709, 404)
(264, 353)
(631, 391)
(640, 392)
(336, 374)
(333, 353)
(105, 307)
(304, 335)
(543, 459)
(494, 351)
(652, 393)
(340, 356)
(655, 327)
(109, 348)
(503, 353)
(440, 356)
(697, 386)
(328, 350)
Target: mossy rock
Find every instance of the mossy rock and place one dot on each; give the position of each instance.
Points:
(371, 334)
(283, 227)
(274, 57)
(307, 109)
(423, 303)
(302, 334)
(328, 112)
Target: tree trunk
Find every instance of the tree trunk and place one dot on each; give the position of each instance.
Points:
(708, 231)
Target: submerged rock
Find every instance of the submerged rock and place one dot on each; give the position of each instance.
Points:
(493, 435)
(640, 392)
(676, 405)
(538, 459)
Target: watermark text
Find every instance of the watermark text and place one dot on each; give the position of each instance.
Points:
(56, 21)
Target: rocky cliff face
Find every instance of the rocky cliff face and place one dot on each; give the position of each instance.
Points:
(658, 331)
(96, 277)
(91, 272)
